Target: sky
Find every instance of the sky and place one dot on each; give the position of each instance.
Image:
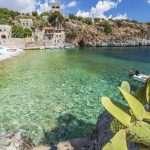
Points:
(115, 9)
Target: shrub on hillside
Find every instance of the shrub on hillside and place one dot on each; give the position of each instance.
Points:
(19, 32)
(107, 27)
(80, 18)
(72, 16)
(44, 14)
(55, 18)
(34, 13)
(71, 34)
(148, 23)
(88, 21)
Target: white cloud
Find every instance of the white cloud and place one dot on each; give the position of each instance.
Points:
(19, 5)
(72, 4)
(27, 5)
(83, 13)
(42, 7)
(120, 16)
(100, 9)
(148, 1)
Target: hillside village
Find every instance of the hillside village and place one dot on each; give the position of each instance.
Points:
(47, 36)
(53, 30)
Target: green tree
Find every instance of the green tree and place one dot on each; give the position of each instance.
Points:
(27, 32)
(34, 13)
(19, 32)
(45, 14)
(14, 14)
(72, 16)
(80, 18)
(107, 27)
(4, 11)
(88, 20)
(55, 18)
(97, 20)
(148, 23)
(71, 34)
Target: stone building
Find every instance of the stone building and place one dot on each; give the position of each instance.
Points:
(53, 37)
(26, 23)
(55, 7)
(5, 33)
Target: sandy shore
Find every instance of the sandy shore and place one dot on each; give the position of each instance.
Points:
(6, 52)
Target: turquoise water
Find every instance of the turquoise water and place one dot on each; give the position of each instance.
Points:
(55, 95)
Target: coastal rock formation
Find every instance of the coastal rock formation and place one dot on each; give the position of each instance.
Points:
(103, 134)
(117, 33)
(15, 141)
(100, 136)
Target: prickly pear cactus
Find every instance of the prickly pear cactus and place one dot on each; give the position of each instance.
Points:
(139, 133)
(134, 122)
(116, 126)
(125, 86)
(148, 91)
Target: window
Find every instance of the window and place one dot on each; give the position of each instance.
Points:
(3, 37)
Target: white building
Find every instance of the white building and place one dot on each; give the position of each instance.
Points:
(53, 37)
(55, 7)
(26, 23)
(5, 33)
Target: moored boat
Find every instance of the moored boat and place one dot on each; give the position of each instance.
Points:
(141, 77)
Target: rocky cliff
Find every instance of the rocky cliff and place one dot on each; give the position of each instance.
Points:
(107, 33)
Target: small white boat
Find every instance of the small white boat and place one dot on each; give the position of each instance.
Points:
(141, 77)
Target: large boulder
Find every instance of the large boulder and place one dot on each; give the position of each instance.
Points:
(15, 141)
(103, 134)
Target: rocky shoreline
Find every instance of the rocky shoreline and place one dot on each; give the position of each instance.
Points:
(137, 42)
(6, 53)
(100, 136)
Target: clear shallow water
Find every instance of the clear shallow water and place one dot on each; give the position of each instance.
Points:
(55, 95)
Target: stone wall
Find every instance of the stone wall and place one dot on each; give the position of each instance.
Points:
(17, 42)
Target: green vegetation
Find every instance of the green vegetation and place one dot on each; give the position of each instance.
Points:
(97, 20)
(132, 121)
(71, 34)
(6, 16)
(148, 23)
(39, 23)
(72, 16)
(55, 18)
(34, 13)
(107, 27)
(87, 20)
(44, 14)
(19, 32)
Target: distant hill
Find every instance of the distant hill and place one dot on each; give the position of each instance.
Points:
(86, 31)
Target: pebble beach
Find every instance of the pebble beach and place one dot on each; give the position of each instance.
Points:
(6, 53)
